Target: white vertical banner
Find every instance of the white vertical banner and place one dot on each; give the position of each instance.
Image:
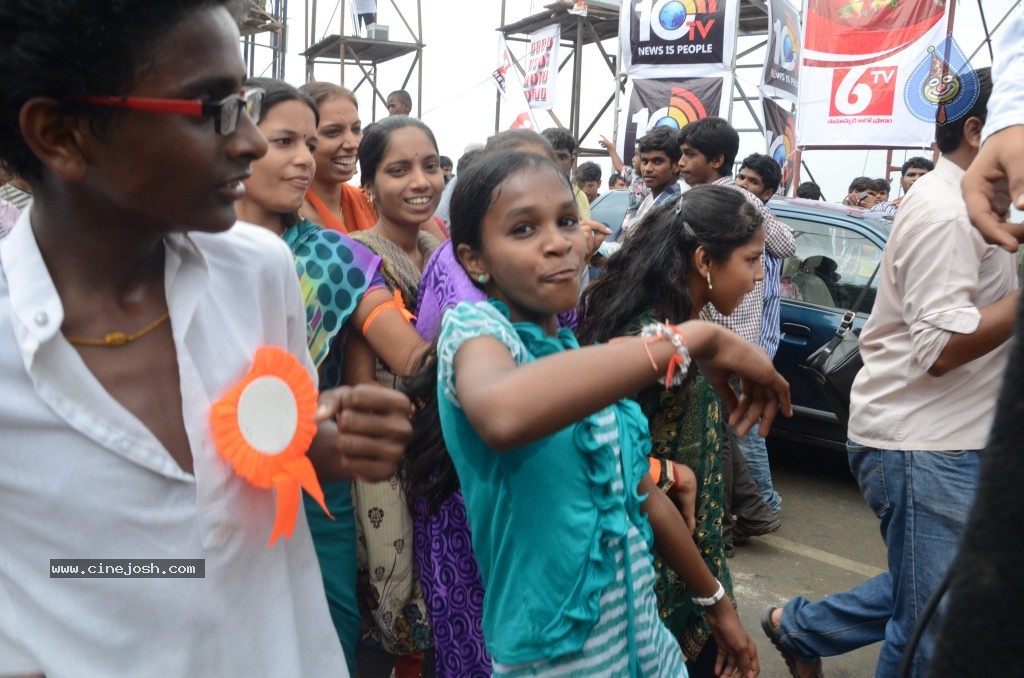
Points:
(542, 67)
(510, 87)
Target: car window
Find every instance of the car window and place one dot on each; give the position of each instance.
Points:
(831, 266)
(609, 208)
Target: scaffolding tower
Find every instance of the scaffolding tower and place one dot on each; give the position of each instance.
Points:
(344, 49)
(263, 27)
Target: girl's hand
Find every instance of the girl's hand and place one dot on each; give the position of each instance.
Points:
(737, 653)
(722, 354)
(596, 232)
(760, 402)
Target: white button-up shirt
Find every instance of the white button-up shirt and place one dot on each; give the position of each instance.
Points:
(81, 477)
(1006, 104)
(936, 272)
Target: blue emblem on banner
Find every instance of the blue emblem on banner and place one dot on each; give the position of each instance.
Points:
(943, 87)
(672, 15)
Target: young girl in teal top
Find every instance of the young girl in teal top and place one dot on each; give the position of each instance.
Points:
(551, 461)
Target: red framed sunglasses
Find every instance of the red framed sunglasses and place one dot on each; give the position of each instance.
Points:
(225, 113)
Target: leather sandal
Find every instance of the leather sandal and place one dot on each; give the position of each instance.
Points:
(793, 663)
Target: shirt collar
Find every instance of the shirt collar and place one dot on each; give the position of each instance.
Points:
(950, 169)
(35, 304)
(669, 191)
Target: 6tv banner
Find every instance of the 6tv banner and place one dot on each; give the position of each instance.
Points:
(782, 65)
(858, 59)
(780, 139)
(664, 38)
(673, 102)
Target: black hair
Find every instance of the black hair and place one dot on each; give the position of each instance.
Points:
(882, 185)
(949, 135)
(76, 48)
(766, 167)
(375, 142)
(278, 92)
(655, 261)
(613, 177)
(444, 162)
(426, 470)
(510, 140)
(713, 137)
(917, 162)
(560, 139)
(663, 139)
(467, 158)
(480, 186)
(402, 97)
(862, 184)
(588, 171)
(809, 191)
(320, 92)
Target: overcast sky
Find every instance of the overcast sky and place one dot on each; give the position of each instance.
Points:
(458, 99)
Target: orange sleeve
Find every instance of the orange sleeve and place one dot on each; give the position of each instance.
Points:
(655, 471)
(357, 210)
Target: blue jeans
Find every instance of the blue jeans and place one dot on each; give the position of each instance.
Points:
(753, 448)
(923, 500)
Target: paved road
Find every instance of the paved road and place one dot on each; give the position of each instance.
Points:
(829, 541)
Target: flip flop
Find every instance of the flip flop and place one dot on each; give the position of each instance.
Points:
(792, 660)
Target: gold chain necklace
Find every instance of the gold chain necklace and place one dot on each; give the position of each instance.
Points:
(120, 338)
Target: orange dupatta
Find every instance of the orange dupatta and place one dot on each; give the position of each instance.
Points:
(355, 208)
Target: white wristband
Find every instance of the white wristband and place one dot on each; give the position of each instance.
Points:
(708, 602)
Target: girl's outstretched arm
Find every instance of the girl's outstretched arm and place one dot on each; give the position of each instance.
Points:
(510, 406)
(736, 649)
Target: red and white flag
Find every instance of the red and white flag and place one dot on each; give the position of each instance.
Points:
(510, 86)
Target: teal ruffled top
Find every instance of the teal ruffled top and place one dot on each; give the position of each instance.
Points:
(542, 515)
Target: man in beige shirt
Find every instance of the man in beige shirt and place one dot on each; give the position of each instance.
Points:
(934, 352)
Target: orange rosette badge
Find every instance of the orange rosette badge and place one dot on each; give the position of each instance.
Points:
(263, 427)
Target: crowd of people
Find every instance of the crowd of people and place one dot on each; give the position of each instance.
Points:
(521, 468)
